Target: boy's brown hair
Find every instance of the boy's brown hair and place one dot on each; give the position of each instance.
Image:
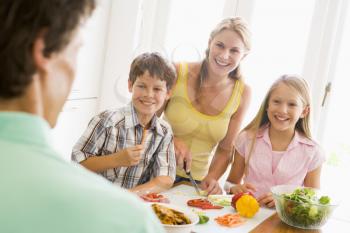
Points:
(156, 66)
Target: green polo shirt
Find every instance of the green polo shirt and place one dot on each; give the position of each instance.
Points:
(41, 192)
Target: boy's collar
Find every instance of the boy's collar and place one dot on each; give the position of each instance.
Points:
(131, 120)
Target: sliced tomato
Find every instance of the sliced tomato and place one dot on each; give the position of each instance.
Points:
(154, 197)
(203, 204)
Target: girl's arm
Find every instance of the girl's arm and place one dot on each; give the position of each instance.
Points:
(234, 179)
(313, 178)
(237, 169)
(224, 150)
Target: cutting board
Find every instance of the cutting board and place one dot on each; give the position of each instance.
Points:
(179, 195)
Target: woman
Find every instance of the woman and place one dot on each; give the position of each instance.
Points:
(208, 105)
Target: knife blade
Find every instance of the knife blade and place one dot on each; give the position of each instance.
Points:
(193, 182)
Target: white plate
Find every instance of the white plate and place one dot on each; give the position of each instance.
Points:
(180, 228)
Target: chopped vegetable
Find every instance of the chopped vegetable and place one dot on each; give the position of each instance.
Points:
(203, 219)
(203, 204)
(144, 135)
(203, 193)
(220, 200)
(324, 200)
(230, 220)
(154, 197)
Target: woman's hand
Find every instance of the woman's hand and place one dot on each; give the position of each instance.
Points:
(211, 186)
(266, 200)
(242, 188)
(182, 154)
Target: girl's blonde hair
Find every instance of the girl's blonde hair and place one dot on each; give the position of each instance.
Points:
(237, 25)
(261, 119)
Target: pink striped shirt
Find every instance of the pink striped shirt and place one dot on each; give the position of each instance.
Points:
(302, 156)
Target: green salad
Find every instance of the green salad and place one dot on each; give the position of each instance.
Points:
(304, 208)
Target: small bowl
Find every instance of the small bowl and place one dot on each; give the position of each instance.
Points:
(187, 228)
(300, 214)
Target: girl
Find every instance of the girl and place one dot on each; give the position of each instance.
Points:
(208, 104)
(276, 147)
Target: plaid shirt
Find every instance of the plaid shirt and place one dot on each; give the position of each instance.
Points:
(112, 131)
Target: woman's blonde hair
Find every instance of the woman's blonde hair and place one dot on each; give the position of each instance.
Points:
(261, 119)
(237, 25)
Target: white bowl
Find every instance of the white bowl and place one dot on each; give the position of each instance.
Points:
(187, 228)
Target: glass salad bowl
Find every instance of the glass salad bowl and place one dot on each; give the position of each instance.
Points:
(302, 207)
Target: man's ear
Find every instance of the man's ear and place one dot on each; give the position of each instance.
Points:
(129, 86)
(39, 58)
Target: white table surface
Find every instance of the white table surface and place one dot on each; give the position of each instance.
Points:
(179, 195)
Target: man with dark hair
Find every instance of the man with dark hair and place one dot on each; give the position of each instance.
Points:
(40, 191)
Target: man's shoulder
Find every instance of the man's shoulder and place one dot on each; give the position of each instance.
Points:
(65, 191)
(105, 202)
(86, 187)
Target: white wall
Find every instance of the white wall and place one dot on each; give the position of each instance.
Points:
(83, 100)
(121, 41)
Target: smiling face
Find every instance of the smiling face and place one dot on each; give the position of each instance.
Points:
(148, 96)
(226, 50)
(285, 108)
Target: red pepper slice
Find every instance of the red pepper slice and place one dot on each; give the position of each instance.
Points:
(203, 204)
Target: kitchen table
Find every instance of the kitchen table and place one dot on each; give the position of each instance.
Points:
(265, 221)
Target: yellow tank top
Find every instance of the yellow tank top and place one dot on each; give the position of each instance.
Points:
(199, 131)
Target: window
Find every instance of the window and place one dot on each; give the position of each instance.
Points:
(336, 124)
(190, 23)
(279, 39)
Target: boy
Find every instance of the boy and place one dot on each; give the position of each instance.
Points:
(131, 146)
